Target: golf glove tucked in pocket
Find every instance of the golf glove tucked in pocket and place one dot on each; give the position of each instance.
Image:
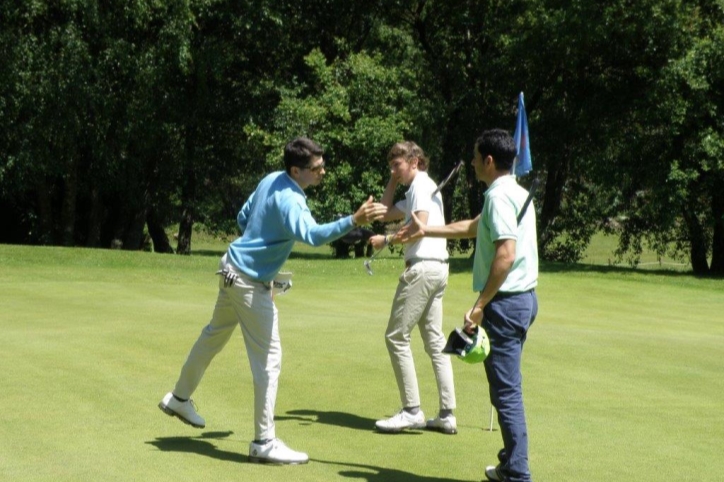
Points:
(229, 277)
(282, 283)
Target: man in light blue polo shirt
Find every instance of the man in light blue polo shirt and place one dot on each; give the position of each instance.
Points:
(505, 273)
(273, 218)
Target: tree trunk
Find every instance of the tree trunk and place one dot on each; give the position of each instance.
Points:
(188, 214)
(717, 256)
(45, 214)
(95, 218)
(552, 199)
(158, 234)
(70, 195)
(133, 236)
(697, 237)
(184, 231)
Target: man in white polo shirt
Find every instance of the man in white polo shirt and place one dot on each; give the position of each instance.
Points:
(418, 299)
(505, 274)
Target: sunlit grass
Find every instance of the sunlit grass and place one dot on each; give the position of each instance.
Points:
(621, 370)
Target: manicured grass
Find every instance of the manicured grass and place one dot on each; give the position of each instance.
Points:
(601, 251)
(622, 374)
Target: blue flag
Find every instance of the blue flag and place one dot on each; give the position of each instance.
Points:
(523, 164)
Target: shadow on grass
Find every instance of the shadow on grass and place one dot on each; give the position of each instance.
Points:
(465, 265)
(339, 419)
(199, 445)
(208, 252)
(371, 473)
(551, 267)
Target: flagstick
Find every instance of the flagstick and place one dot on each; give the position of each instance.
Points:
(491, 419)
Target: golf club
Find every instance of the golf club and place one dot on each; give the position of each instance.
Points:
(443, 183)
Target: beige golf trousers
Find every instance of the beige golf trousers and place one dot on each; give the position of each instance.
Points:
(418, 302)
(248, 304)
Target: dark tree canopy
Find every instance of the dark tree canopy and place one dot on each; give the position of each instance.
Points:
(120, 120)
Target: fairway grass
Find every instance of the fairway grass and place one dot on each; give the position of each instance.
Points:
(622, 374)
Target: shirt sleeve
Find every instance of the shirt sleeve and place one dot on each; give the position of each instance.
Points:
(503, 222)
(402, 206)
(420, 199)
(242, 218)
(300, 224)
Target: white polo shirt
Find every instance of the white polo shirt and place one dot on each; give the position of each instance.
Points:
(419, 198)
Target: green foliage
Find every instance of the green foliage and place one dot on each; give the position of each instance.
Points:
(356, 107)
(112, 115)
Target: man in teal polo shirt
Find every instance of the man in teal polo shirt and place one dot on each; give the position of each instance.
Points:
(505, 273)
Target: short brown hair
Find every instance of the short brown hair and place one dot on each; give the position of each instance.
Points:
(409, 150)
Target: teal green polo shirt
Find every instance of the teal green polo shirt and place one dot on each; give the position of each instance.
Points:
(503, 201)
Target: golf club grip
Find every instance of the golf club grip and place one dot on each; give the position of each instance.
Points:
(531, 193)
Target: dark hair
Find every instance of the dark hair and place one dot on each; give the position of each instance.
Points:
(499, 144)
(299, 152)
(409, 150)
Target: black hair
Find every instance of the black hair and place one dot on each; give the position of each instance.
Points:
(300, 152)
(499, 144)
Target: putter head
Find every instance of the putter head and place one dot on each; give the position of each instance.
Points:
(368, 266)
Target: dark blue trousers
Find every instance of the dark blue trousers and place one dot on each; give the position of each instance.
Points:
(507, 320)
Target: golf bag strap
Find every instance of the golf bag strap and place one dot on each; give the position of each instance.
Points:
(531, 193)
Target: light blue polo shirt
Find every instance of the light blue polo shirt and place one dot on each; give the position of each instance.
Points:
(273, 218)
(503, 201)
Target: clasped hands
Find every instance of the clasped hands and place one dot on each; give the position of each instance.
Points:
(368, 212)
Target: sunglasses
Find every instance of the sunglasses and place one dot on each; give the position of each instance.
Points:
(316, 168)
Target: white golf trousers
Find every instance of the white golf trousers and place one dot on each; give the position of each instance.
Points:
(418, 302)
(248, 304)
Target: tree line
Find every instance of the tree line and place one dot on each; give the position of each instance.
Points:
(119, 119)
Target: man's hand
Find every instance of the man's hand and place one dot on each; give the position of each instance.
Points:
(368, 212)
(411, 231)
(378, 242)
(473, 318)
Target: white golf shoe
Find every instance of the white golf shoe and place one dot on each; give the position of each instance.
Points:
(275, 452)
(448, 425)
(184, 411)
(403, 420)
(493, 474)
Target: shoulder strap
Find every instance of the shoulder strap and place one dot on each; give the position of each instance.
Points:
(531, 193)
